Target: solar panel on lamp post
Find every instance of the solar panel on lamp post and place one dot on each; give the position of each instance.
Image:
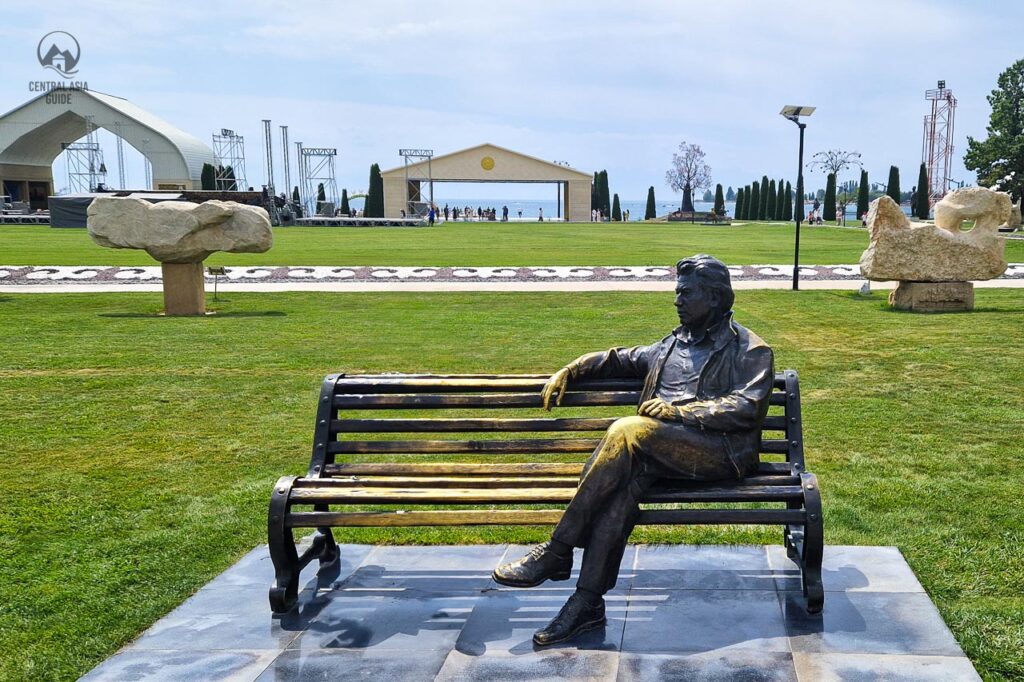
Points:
(793, 113)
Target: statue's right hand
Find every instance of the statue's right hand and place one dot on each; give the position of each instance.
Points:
(555, 387)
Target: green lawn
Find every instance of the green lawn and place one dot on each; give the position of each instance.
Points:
(483, 244)
(139, 452)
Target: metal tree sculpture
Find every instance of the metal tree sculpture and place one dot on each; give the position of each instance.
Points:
(689, 173)
(835, 161)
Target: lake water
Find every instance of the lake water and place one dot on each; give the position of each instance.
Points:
(530, 207)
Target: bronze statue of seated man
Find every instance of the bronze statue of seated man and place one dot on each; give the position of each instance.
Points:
(706, 391)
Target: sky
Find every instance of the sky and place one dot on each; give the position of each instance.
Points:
(601, 85)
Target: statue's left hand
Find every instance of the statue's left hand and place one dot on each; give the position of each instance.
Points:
(659, 409)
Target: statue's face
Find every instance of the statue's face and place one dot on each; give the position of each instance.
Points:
(695, 303)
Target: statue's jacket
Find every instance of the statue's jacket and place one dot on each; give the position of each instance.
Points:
(733, 389)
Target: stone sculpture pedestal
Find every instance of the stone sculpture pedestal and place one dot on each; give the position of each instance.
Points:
(933, 297)
(184, 288)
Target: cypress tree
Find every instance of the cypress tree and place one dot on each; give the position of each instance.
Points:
(344, 202)
(787, 213)
(755, 200)
(863, 196)
(830, 198)
(719, 200)
(208, 177)
(603, 196)
(761, 208)
(321, 193)
(595, 201)
(893, 190)
(780, 202)
(769, 213)
(730, 195)
(737, 211)
(295, 195)
(616, 209)
(229, 172)
(373, 206)
(798, 208)
(922, 207)
(652, 212)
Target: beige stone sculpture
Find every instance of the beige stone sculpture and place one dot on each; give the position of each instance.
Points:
(935, 263)
(180, 235)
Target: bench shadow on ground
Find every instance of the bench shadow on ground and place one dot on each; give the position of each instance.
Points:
(662, 611)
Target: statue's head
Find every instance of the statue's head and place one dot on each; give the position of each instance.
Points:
(703, 290)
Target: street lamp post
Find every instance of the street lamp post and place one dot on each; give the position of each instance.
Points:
(793, 113)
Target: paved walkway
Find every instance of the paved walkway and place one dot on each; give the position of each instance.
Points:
(679, 612)
(101, 279)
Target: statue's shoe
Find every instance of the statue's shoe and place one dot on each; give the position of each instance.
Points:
(540, 564)
(577, 616)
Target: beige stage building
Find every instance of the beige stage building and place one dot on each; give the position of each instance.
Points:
(486, 163)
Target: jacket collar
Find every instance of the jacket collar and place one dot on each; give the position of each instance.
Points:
(720, 333)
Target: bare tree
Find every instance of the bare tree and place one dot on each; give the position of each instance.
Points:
(689, 173)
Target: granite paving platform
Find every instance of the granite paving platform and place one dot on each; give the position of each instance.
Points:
(679, 612)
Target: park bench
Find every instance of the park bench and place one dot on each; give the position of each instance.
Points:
(368, 470)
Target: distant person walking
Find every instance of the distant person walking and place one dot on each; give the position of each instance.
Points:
(446, 212)
(504, 214)
(520, 214)
(431, 216)
(540, 215)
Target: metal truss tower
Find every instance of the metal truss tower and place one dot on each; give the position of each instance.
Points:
(268, 152)
(937, 140)
(230, 152)
(316, 166)
(85, 161)
(120, 157)
(414, 183)
(287, 165)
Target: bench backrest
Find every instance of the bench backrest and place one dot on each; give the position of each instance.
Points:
(386, 417)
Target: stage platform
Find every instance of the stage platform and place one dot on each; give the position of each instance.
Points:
(324, 221)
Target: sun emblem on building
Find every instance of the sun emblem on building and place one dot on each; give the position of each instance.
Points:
(487, 163)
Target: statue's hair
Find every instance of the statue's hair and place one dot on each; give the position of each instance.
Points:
(713, 274)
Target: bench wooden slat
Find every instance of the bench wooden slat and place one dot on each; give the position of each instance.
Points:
(455, 468)
(779, 380)
(469, 425)
(530, 517)
(459, 384)
(497, 481)
(487, 469)
(455, 425)
(522, 446)
(372, 495)
(416, 401)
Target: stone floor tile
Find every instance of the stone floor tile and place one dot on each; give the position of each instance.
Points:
(504, 621)
(703, 567)
(409, 621)
(850, 569)
(347, 664)
(869, 622)
(871, 667)
(712, 666)
(211, 631)
(427, 569)
(139, 665)
(676, 621)
(555, 665)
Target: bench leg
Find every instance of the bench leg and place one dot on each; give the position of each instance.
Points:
(813, 545)
(285, 590)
